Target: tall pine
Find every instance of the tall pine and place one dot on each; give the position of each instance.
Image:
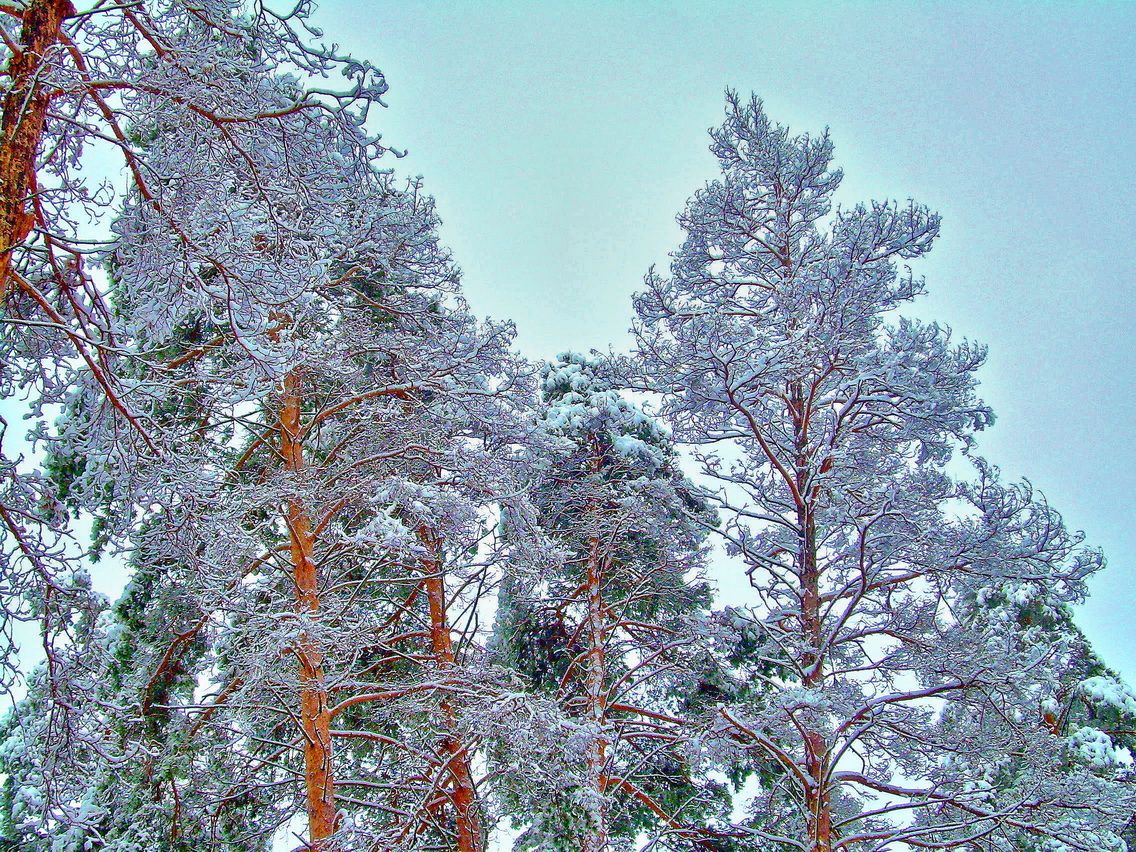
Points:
(824, 425)
(606, 633)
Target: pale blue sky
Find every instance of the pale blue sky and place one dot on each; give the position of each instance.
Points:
(561, 140)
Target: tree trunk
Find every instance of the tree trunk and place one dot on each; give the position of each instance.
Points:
(818, 798)
(596, 700)
(464, 794)
(595, 668)
(315, 719)
(22, 117)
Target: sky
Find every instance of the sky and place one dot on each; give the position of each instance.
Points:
(561, 140)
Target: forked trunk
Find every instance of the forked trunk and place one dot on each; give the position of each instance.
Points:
(315, 718)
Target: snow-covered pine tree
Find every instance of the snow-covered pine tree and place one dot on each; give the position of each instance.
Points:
(826, 431)
(67, 83)
(1085, 707)
(305, 431)
(75, 86)
(429, 681)
(606, 634)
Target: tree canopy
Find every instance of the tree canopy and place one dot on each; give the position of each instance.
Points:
(391, 586)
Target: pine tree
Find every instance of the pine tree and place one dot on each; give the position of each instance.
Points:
(73, 86)
(1066, 691)
(607, 633)
(76, 86)
(307, 428)
(826, 431)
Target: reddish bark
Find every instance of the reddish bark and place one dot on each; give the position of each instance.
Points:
(315, 717)
(22, 117)
(595, 666)
(818, 797)
(595, 673)
(463, 794)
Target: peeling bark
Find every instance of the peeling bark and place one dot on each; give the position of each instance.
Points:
(22, 117)
(315, 717)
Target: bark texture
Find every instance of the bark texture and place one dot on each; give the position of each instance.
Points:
(463, 794)
(24, 113)
(315, 716)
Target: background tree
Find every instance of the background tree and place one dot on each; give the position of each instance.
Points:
(1068, 692)
(608, 631)
(826, 432)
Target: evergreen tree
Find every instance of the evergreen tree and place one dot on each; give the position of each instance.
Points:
(74, 84)
(826, 431)
(306, 433)
(1064, 690)
(608, 633)
(73, 87)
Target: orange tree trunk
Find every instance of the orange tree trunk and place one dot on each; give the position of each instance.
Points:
(818, 797)
(464, 794)
(595, 673)
(22, 117)
(315, 718)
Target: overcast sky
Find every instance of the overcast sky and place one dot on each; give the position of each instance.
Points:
(562, 139)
